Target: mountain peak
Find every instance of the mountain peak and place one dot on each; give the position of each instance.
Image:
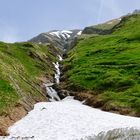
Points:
(59, 38)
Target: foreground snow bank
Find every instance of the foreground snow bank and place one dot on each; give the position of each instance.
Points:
(71, 120)
(117, 134)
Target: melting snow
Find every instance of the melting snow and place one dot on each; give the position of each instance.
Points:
(64, 33)
(79, 33)
(55, 34)
(68, 120)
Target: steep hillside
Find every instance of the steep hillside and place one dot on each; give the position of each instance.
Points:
(105, 69)
(103, 28)
(23, 68)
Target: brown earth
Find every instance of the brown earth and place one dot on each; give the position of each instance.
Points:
(8, 119)
(94, 101)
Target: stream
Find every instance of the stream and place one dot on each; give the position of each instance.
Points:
(51, 92)
(69, 119)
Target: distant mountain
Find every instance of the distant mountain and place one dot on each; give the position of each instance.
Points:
(59, 38)
(136, 12)
(103, 28)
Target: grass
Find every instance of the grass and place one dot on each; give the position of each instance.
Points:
(21, 65)
(109, 65)
(100, 28)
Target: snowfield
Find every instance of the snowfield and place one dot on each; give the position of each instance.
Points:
(69, 119)
(64, 33)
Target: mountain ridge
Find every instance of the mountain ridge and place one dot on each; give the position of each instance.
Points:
(59, 38)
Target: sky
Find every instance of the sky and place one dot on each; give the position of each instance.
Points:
(20, 20)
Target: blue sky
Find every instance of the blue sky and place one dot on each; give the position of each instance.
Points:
(21, 20)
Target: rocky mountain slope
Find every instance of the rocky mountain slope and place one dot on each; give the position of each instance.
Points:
(62, 39)
(105, 28)
(104, 69)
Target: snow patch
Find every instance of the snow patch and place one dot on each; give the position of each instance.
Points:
(79, 33)
(55, 34)
(69, 120)
(64, 33)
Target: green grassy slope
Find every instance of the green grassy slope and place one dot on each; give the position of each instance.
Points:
(101, 28)
(21, 66)
(109, 66)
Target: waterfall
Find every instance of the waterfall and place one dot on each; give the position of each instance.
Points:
(57, 74)
(51, 92)
(60, 58)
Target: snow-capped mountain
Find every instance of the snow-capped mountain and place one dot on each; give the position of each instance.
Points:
(65, 34)
(59, 38)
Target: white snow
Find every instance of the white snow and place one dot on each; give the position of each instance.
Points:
(68, 120)
(64, 33)
(79, 33)
(55, 34)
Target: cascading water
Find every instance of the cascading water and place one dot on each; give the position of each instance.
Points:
(69, 119)
(51, 92)
(57, 74)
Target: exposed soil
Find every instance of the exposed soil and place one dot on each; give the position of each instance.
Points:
(94, 101)
(20, 110)
(7, 120)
